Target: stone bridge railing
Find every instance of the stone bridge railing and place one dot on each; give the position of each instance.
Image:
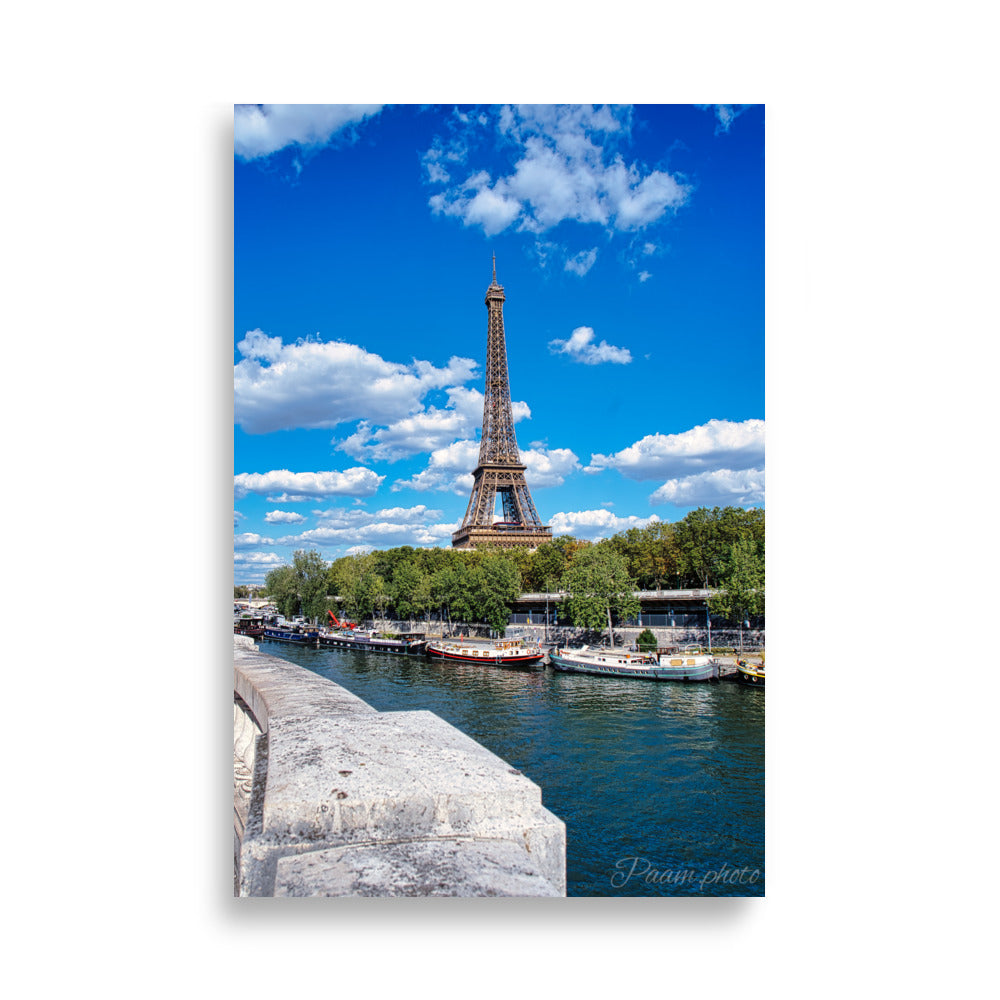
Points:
(331, 798)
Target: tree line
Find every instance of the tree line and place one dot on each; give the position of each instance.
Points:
(717, 548)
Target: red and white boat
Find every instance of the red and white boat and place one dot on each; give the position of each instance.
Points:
(500, 652)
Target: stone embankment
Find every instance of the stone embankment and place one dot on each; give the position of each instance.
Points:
(563, 635)
(332, 798)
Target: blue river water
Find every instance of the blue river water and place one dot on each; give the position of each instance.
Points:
(660, 784)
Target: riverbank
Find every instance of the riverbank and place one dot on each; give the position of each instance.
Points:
(751, 641)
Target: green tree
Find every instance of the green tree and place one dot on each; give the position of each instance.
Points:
(657, 556)
(339, 575)
(742, 588)
(496, 585)
(520, 560)
(282, 588)
(388, 562)
(432, 560)
(705, 537)
(355, 582)
(547, 564)
(699, 549)
(367, 587)
(599, 584)
(461, 594)
(379, 594)
(441, 587)
(404, 590)
(647, 642)
(310, 582)
(422, 600)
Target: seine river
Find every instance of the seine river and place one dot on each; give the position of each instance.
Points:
(661, 785)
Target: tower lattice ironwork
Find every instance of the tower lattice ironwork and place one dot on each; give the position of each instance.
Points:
(500, 472)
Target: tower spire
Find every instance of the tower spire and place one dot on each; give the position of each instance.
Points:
(494, 268)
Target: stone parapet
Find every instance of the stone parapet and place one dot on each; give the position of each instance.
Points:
(339, 799)
(271, 687)
(446, 867)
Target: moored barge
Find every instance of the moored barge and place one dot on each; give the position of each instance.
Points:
(503, 652)
(302, 635)
(252, 625)
(605, 662)
(404, 642)
(751, 673)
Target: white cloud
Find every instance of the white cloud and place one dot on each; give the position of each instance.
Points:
(477, 204)
(548, 467)
(545, 249)
(548, 252)
(637, 255)
(581, 348)
(450, 468)
(290, 498)
(357, 482)
(381, 534)
(721, 487)
(425, 431)
(252, 567)
(565, 169)
(642, 201)
(338, 517)
(443, 157)
(595, 524)
(258, 558)
(257, 344)
(315, 383)
(437, 173)
(249, 540)
(262, 129)
(713, 446)
(362, 529)
(407, 515)
(582, 262)
(725, 114)
(283, 517)
(353, 517)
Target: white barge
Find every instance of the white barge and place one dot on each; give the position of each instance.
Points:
(605, 662)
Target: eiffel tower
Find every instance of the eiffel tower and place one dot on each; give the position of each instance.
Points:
(500, 471)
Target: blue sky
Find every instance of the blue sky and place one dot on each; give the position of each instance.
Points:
(630, 244)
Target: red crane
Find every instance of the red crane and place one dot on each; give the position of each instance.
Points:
(339, 624)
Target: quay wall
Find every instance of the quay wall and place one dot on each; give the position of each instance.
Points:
(753, 639)
(568, 635)
(332, 798)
